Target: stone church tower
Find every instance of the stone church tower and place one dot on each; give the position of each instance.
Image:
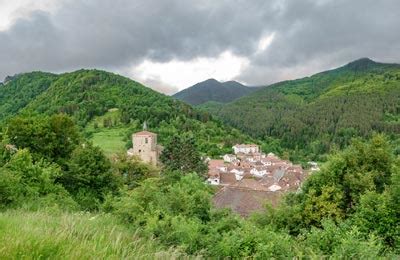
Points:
(145, 147)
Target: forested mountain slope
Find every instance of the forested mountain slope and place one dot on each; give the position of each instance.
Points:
(89, 94)
(326, 108)
(213, 90)
(16, 92)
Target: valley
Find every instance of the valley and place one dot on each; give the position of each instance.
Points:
(63, 152)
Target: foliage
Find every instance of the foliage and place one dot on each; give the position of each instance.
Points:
(88, 176)
(311, 116)
(113, 107)
(23, 181)
(20, 90)
(53, 138)
(357, 187)
(350, 209)
(133, 171)
(181, 154)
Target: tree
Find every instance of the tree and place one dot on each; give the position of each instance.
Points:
(24, 181)
(133, 171)
(181, 154)
(89, 177)
(53, 138)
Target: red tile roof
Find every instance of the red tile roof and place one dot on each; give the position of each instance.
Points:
(227, 178)
(215, 163)
(145, 133)
(244, 201)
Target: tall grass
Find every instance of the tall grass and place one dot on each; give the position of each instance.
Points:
(42, 235)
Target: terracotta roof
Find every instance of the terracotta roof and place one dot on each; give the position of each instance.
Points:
(267, 181)
(245, 145)
(147, 133)
(251, 184)
(244, 201)
(215, 163)
(213, 174)
(227, 178)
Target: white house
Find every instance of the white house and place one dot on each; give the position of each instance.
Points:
(266, 162)
(258, 172)
(238, 173)
(239, 176)
(213, 180)
(246, 148)
(229, 158)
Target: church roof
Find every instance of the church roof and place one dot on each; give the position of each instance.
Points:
(147, 133)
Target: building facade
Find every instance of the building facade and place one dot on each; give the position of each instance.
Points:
(145, 147)
(246, 148)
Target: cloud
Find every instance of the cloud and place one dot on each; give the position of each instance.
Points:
(278, 39)
(311, 36)
(182, 74)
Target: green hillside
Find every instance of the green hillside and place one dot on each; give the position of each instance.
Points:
(88, 96)
(327, 108)
(18, 91)
(61, 197)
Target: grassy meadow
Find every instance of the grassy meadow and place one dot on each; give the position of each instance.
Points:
(110, 138)
(111, 141)
(44, 235)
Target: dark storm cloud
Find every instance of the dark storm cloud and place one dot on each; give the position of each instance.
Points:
(114, 34)
(309, 35)
(312, 36)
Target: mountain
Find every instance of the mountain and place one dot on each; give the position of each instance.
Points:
(18, 91)
(213, 90)
(326, 109)
(92, 97)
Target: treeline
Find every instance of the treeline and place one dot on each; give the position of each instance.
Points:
(87, 94)
(315, 115)
(350, 209)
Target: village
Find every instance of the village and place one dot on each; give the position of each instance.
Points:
(246, 179)
(249, 178)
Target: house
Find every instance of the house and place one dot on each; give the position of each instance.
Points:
(214, 178)
(246, 148)
(258, 171)
(229, 158)
(145, 147)
(227, 179)
(249, 178)
(244, 201)
(239, 173)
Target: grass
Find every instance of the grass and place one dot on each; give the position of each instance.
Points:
(43, 235)
(110, 140)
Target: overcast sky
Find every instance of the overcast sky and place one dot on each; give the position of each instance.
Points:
(172, 44)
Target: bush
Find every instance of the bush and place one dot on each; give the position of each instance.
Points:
(23, 181)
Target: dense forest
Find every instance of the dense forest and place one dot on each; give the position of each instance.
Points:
(88, 96)
(317, 114)
(55, 180)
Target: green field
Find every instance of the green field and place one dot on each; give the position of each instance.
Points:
(42, 235)
(111, 141)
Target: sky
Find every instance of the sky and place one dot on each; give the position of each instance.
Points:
(169, 45)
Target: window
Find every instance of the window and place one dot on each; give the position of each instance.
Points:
(140, 151)
(146, 140)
